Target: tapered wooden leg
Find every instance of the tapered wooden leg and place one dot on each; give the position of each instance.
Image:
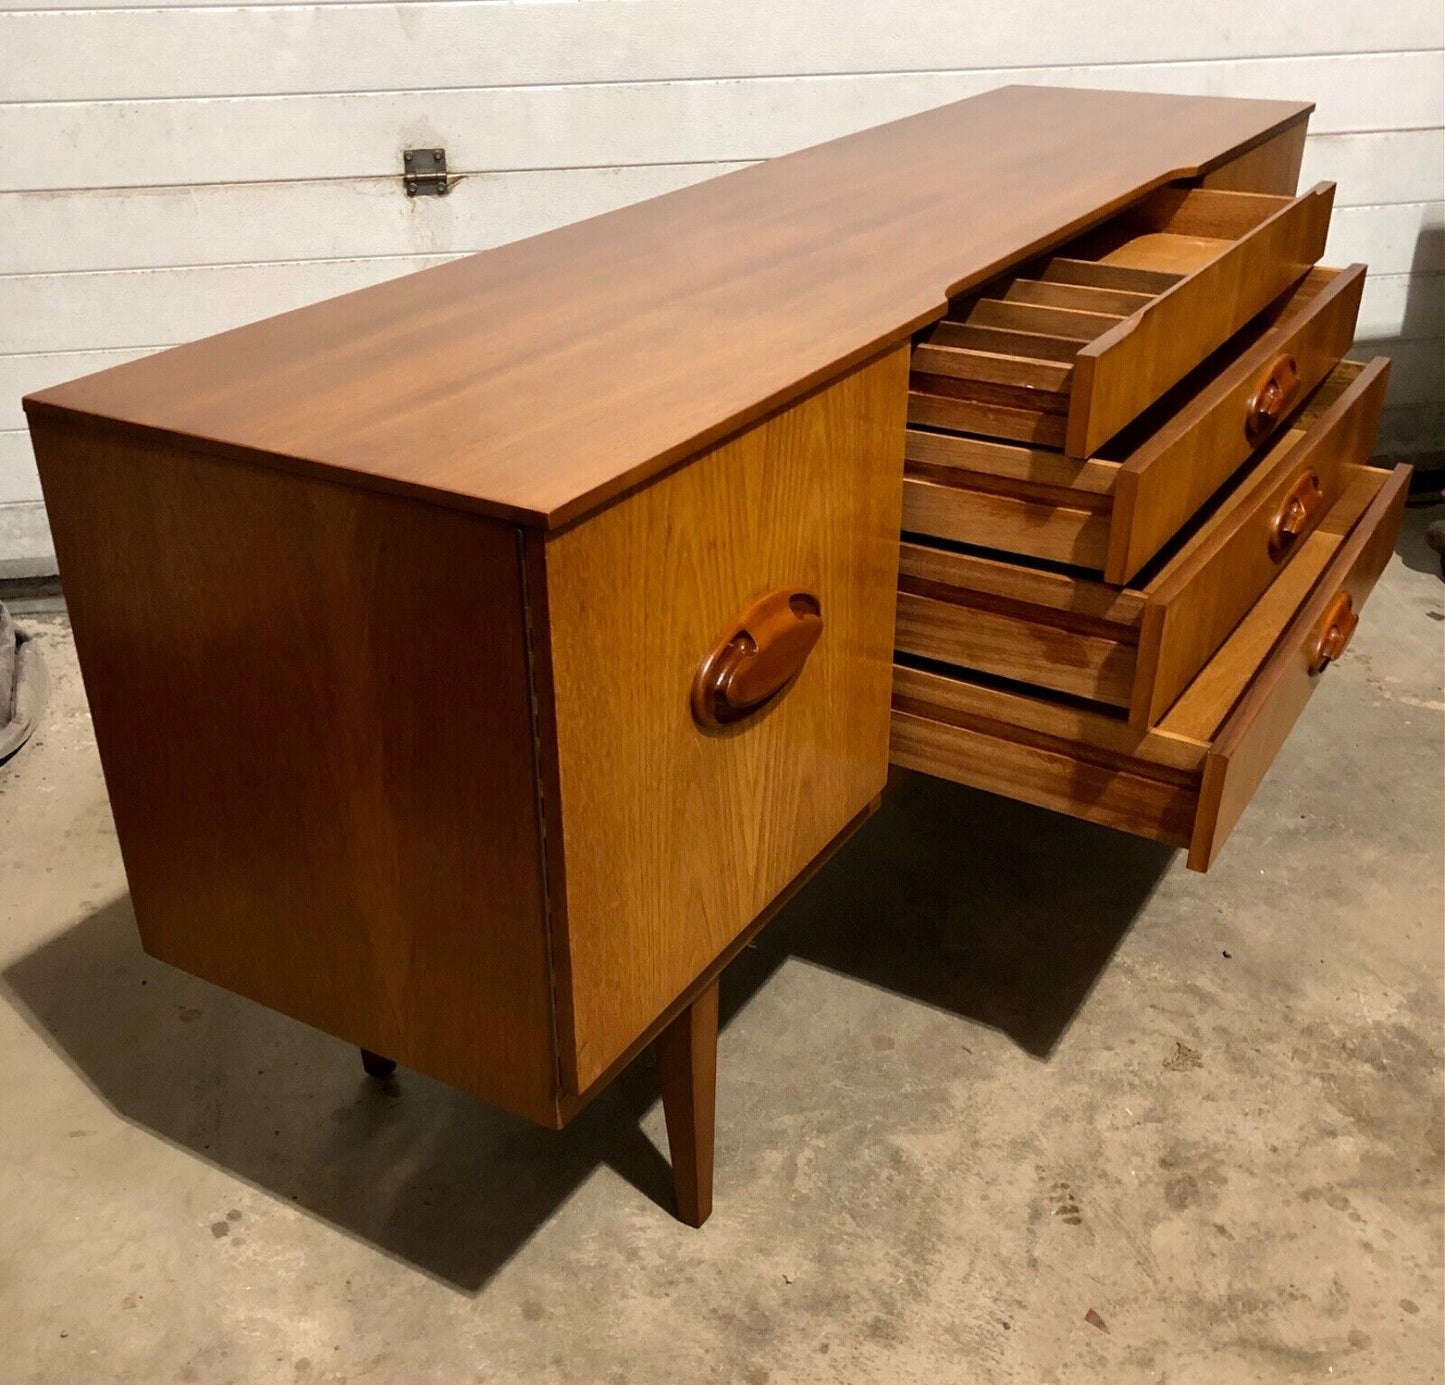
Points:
(687, 1064)
(376, 1065)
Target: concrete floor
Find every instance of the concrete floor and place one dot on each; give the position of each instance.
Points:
(993, 1072)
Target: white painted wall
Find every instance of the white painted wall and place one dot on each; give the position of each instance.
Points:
(172, 170)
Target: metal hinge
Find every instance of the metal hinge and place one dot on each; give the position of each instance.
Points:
(426, 172)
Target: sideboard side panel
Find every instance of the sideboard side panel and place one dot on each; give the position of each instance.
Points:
(313, 714)
(1271, 166)
(674, 838)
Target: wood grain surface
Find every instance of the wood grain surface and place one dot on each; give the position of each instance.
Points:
(1048, 774)
(312, 710)
(1271, 167)
(1209, 586)
(1274, 243)
(675, 839)
(540, 379)
(1165, 477)
(1021, 642)
(1249, 741)
(988, 519)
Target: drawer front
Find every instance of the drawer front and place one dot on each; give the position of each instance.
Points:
(1214, 580)
(1173, 471)
(676, 834)
(1114, 512)
(1118, 375)
(1139, 648)
(1245, 746)
(1068, 352)
(1187, 781)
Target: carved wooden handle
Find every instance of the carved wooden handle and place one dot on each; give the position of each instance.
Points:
(1296, 513)
(764, 651)
(1272, 397)
(1333, 632)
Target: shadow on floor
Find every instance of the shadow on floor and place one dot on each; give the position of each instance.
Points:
(424, 1173)
(1415, 553)
(988, 909)
(1000, 914)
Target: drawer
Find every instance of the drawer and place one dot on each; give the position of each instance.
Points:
(1113, 512)
(1137, 648)
(1187, 780)
(1086, 339)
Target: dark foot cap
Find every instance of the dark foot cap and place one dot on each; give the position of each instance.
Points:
(376, 1065)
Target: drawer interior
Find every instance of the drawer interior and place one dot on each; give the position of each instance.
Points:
(1002, 361)
(1172, 232)
(1029, 497)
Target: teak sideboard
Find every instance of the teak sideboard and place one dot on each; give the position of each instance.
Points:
(479, 659)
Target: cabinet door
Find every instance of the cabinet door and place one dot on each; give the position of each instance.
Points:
(675, 834)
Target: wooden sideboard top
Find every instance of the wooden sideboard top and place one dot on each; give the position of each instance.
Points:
(536, 381)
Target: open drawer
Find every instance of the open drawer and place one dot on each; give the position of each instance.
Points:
(1186, 781)
(1070, 351)
(1113, 512)
(1138, 648)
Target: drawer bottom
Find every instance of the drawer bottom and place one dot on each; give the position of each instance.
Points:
(1187, 781)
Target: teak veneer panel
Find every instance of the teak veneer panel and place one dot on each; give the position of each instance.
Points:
(1170, 474)
(1017, 642)
(1273, 166)
(1220, 573)
(312, 712)
(1248, 742)
(538, 380)
(675, 839)
(1121, 372)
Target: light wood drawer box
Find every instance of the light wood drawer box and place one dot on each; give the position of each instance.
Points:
(1138, 647)
(1187, 780)
(1112, 513)
(1084, 341)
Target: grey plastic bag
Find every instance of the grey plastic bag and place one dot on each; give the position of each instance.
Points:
(23, 686)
